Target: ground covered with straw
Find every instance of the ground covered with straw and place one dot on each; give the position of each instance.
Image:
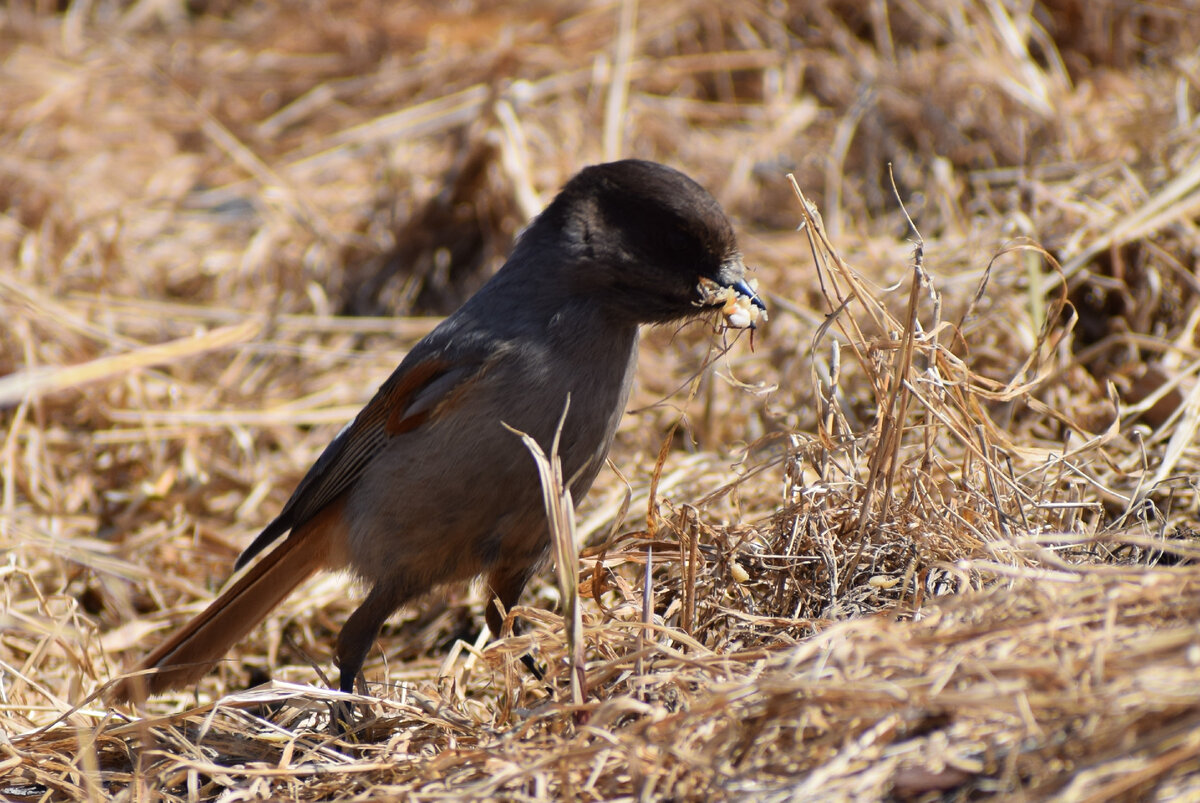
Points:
(929, 534)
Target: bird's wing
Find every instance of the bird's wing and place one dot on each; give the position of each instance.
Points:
(409, 397)
(416, 393)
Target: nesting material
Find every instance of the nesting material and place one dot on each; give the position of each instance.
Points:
(738, 310)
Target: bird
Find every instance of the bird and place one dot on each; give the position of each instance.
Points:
(428, 485)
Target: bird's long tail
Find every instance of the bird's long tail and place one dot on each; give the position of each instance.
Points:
(185, 657)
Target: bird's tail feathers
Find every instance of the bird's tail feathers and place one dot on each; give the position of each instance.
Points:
(189, 654)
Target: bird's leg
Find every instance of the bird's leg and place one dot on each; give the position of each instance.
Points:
(359, 633)
(506, 585)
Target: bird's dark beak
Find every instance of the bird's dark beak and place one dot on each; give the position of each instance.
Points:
(743, 287)
(740, 306)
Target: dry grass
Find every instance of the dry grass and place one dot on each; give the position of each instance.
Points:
(932, 534)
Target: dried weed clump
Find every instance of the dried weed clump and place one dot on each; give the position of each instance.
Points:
(929, 533)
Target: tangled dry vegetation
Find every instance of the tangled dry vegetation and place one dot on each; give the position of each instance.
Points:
(930, 535)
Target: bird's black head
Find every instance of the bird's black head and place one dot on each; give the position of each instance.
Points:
(641, 236)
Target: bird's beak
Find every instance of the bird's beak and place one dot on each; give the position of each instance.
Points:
(743, 287)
